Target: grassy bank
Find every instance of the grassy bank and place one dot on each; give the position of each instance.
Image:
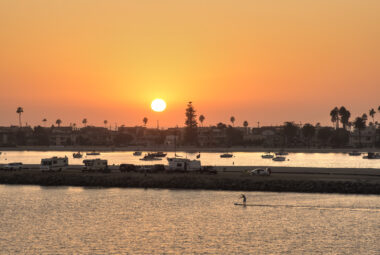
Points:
(221, 181)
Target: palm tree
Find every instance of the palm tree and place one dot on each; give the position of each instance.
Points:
(105, 123)
(232, 119)
(335, 116)
(145, 121)
(245, 124)
(372, 113)
(201, 119)
(58, 122)
(19, 111)
(344, 116)
(84, 121)
(44, 121)
(360, 125)
(308, 132)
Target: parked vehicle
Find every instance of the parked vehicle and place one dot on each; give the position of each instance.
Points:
(184, 164)
(13, 166)
(95, 165)
(261, 171)
(54, 164)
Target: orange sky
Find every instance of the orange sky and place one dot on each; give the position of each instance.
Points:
(267, 61)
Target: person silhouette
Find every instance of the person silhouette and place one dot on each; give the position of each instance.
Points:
(244, 199)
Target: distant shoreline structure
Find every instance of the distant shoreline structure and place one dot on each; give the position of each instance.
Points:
(188, 149)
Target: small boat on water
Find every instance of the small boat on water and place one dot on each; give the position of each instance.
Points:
(372, 155)
(226, 155)
(150, 157)
(268, 155)
(279, 159)
(354, 153)
(158, 154)
(137, 153)
(93, 153)
(281, 153)
(77, 155)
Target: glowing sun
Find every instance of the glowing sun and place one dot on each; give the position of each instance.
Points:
(158, 105)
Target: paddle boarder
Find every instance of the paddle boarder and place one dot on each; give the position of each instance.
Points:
(244, 199)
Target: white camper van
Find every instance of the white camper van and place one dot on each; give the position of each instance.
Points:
(54, 164)
(183, 164)
(95, 164)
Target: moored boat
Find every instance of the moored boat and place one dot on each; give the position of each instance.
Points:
(268, 155)
(226, 155)
(372, 155)
(150, 157)
(354, 153)
(93, 153)
(77, 155)
(137, 153)
(158, 154)
(279, 159)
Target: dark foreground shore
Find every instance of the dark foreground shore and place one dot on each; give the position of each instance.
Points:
(282, 180)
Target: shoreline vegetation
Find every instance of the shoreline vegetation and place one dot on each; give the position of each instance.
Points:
(186, 149)
(283, 179)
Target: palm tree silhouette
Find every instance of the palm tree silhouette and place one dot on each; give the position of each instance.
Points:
(58, 122)
(105, 123)
(145, 121)
(344, 116)
(245, 124)
(335, 116)
(84, 121)
(360, 125)
(44, 121)
(372, 113)
(232, 119)
(19, 112)
(201, 119)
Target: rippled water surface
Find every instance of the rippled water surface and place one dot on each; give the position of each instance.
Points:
(335, 160)
(67, 220)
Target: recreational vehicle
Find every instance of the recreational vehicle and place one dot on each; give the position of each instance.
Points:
(95, 165)
(54, 164)
(183, 164)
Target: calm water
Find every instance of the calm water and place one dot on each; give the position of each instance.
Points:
(338, 160)
(67, 220)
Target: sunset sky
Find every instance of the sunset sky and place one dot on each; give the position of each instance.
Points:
(267, 61)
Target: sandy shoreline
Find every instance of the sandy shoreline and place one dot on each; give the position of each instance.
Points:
(185, 149)
(283, 179)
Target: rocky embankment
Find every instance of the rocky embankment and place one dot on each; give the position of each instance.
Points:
(278, 182)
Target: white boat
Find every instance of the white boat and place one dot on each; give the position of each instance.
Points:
(268, 155)
(94, 153)
(279, 159)
(77, 155)
(226, 155)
